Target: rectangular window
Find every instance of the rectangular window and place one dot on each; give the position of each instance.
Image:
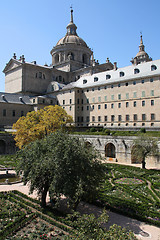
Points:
(119, 118)
(78, 101)
(99, 107)
(105, 98)
(112, 105)
(134, 104)
(127, 95)
(82, 101)
(87, 100)
(82, 108)
(119, 96)
(152, 102)
(99, 99)
(4, 113)
(99, 118)
(135, 117)
(143, 117)
(70, 101)
(105, 106)
(143, 93)
(105, 118)
(13, 113)
(119, 105)
(127, 104)
(127, 117)
(152, 116)
(152, 93)
(134, 94)
(112, 118)
(63, 101)
(92, 107)
(87, 119)
(78, 119)
(81, 119)
(112, 97)
(93, 100)
(93, 118)
(143, 103)
(70, 108)
(87, 108)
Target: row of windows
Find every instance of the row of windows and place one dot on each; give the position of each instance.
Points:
(42, 101)
(4, 113)
(121, 74)
(40, 75)
(119, 118)
(119, 97)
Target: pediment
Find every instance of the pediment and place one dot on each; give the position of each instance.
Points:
(12, 64)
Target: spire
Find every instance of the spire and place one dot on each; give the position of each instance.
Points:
(71, 27)
(141, 46)
(141, 42)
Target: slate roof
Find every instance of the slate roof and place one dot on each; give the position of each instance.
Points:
(14, 98)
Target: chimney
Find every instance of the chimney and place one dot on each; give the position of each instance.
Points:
(23, 59)
(14, 56)
(115, 65)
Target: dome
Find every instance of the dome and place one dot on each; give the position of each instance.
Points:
(72, 39)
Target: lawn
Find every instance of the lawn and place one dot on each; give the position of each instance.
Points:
(7, 161)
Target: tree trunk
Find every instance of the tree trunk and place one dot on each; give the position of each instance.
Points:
(43, 197)
(143, 163)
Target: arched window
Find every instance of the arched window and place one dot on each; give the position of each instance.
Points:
(153, 67)
(121, 74)
(136, 70)
(84, 58)
(108, 76)
(110, 150)
(2, 147)
(70, 56)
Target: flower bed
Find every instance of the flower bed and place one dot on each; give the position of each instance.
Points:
(129, 181)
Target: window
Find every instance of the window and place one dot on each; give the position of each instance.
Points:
(13, 113)
(112, 97)
(96, 79)
(78, 119)
(119, 105)
(92, 107)
(63, 101)
(134, 82)
(70, 101)
(82, 108)
(87, 90)
(44, 77)
(136, 70)
(135, 117)
(93, 118)
(121, 74)
(78, 101)
(134, 104)
(51, 102)
(142, 81)
(152, 116)
(87, 100)
(119, 118)
(87, 119)
(77, 91)
(87, 108)
(112, 118)
(143, 117)
(127, 117)
(126, 83)
(127, 104)
(151, 80)
(105, 87)
(119, 96)
(40, 74)
(108, 76)
(152, 93)
(92, 89)
(112, 86)
(4, 112)
(99, 99)
(105, 118)
(112, 105)
(119, 84)
(34, 100)
(134, 94)
(93, 100)
(152, 102)
(99, 88)
(105, 98)
(43, 100)
(127, 95)
(99, 107)
(99, 118)
(153, 67)
(70, 108)
(22, 113)
(105, 106)
(84, 81)
(143, 103)
(81, 119)
(82, 100)
(143, 94)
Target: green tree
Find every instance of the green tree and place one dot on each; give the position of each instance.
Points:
(37, 124)
(143, 147)
(62, 165)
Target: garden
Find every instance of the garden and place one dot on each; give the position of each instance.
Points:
(132, 191)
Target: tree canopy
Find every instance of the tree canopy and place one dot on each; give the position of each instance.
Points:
(37, 124)
(62, 165)
(143, 147)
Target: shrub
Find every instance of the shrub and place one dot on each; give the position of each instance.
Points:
(107, 131)
(93, 130)
(143, 130)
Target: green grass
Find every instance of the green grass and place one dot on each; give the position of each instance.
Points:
(8, 161)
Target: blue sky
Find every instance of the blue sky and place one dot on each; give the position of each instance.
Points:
(110, 27)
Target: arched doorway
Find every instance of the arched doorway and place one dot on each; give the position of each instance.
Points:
(2, 147)
(110, 150)
(134, 159)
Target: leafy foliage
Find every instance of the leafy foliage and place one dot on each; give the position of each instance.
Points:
(63, 165)
(38, 124)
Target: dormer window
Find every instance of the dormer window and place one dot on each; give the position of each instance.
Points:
(84, 81)
(96, 79)
(153, 67)
(136, 70)
(108, 76)
(121, 74)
